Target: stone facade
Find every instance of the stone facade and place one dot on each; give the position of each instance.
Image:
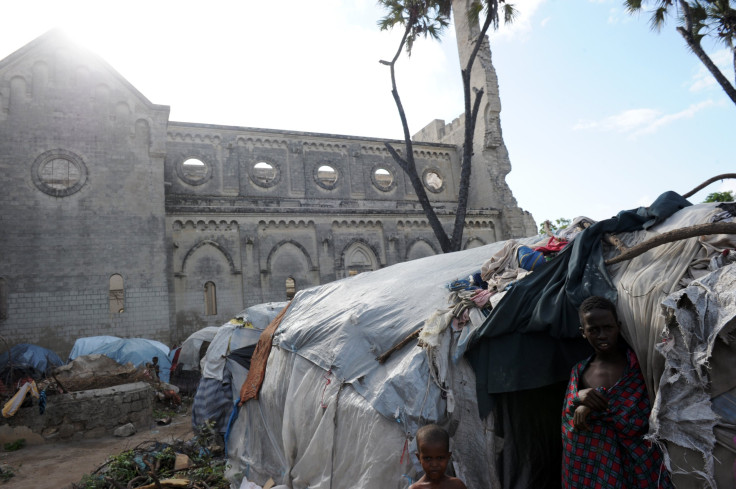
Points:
(86, 414)
(116, 220)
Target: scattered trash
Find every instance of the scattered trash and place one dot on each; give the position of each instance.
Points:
(193, 464)
(182, 462)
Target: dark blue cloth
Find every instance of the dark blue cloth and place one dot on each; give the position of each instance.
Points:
(530, 259)
(531, 337)
(42, 402)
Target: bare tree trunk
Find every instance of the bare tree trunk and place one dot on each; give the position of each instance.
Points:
(471, 116)
(687, 33)
(408, 164)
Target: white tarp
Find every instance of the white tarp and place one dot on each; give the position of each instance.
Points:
(189, 354)
(243, 330)
(329, 415)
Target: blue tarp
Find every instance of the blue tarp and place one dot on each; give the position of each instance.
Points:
(85, 346)
(137, 351)
(33, 356)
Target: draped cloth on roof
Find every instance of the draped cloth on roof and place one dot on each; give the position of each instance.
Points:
(257, 367)
(531, 337)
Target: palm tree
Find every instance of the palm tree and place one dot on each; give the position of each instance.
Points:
(699, 19)
(428, 18)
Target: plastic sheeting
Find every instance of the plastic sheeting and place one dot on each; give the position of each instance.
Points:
(36, 357)
(189, 354)
(329, 415)
(215, 394)
(138, 351)
(701, 321)
(84, 346)
(325, 394)
(306, 430)
(242, 331)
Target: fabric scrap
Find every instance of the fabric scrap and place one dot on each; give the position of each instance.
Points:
(257, 371)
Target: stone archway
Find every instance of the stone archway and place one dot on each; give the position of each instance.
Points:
(359, 257)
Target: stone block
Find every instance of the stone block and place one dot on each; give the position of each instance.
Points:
(125, 430)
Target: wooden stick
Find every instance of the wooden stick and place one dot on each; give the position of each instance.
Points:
(708, 182)
(675, 235)
(401, 344)
(613, 240)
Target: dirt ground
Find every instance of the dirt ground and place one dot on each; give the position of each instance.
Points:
(57, 465)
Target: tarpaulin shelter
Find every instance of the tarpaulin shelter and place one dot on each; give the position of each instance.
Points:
(328, 414)
(137, 351)
(214, 398)
(36, 359)
(84, 346)
(189, 356)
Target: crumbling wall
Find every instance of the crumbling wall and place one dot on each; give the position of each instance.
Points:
(85, 414)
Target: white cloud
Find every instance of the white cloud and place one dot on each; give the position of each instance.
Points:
(641, 121)
(544, 21)
(703, 79)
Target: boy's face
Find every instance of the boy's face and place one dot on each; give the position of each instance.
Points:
(601, 330)
(434, 458)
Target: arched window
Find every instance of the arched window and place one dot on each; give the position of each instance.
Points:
(117, 294)
(359, 258)
(290, 288)
(210, 299)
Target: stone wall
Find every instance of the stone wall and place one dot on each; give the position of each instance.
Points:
(82, 199)
(193, 222)
(85, 414)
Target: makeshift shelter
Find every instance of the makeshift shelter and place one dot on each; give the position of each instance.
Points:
(137, 351)
(226, 363)
(84, 346)
(329, 414)
(35, 360)
(189, 356)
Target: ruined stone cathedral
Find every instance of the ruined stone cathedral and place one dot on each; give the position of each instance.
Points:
(115, 220)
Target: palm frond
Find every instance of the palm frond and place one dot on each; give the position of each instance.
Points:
(509, 13)
(633, 6)
(659, 17)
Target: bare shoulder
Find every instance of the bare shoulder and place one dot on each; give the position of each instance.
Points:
(456, 484)
(453, 483)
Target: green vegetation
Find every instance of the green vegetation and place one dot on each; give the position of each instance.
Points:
(15, 445)
(151, 462)
(557, 225)
(726, 196)
(6, 474)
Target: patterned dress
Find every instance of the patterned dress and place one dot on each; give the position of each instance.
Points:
(614, 453)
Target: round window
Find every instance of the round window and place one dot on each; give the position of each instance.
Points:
(194, 171)
(59, 173)
(264, 174)
(433, 181)
(382, 178)
(326, 176)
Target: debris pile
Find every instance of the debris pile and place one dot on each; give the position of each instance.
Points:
(198, 463)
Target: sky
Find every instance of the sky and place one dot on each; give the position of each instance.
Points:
(599, 113)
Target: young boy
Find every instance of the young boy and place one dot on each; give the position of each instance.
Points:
(606, 412)
(433, 444)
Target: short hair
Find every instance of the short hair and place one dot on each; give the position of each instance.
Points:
(433, 433)
(596, 302)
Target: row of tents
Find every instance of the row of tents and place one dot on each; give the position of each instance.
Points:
(335, 388)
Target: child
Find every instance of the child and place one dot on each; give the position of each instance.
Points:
(433, 444)
(606, 412)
